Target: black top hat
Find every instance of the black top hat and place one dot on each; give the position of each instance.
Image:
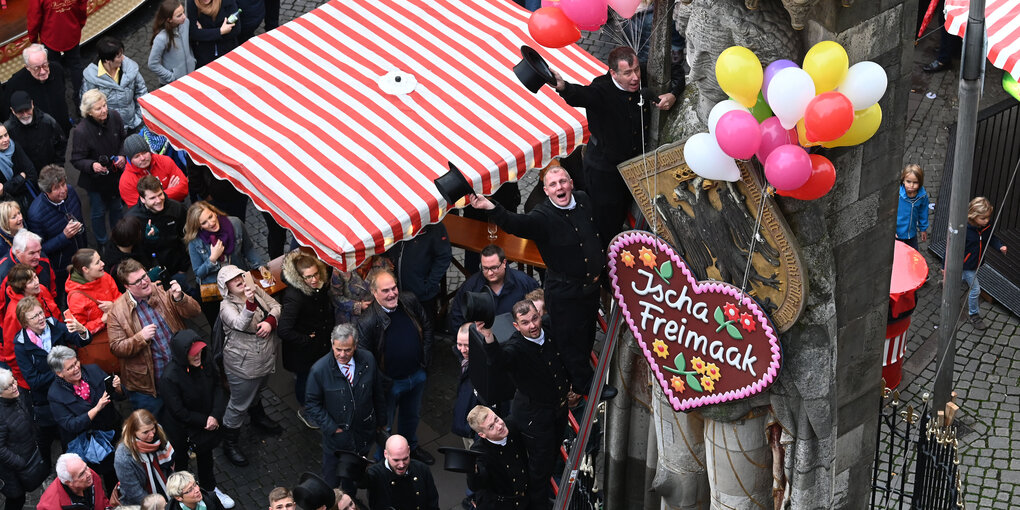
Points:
(458, 460)
(453, 185)
(351, 465)
(533, 71)
(479, 306)
(312, 492)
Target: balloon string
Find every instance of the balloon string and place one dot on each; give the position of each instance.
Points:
(754, 239)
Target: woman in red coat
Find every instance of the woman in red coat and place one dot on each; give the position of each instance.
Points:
(22, 281)
(91, 291)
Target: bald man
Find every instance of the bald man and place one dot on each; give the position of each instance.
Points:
(399, 481)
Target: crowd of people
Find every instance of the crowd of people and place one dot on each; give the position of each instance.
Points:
(127, 290)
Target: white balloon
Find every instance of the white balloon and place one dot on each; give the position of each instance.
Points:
(721, 108)
(864, 84)
(790, 91)
(703, 155)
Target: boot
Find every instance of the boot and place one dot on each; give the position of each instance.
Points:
(260, 419)
(230, 448)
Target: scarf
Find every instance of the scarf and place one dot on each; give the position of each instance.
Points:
(212, 10)
(154, 454)
(7, 162)
(225, 234)
(82, 390)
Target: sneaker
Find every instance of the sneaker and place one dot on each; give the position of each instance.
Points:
(225, 500)
(935, 66)
(304, 420)
(421, 455)
(977, 323)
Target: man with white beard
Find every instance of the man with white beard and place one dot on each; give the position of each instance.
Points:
(35, 131)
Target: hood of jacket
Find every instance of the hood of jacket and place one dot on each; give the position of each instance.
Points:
(921, 193)
(180, 343)
(292, 277)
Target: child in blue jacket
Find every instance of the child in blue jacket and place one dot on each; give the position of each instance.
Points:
(912, 213)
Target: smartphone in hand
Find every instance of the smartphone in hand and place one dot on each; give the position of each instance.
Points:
(108, 382)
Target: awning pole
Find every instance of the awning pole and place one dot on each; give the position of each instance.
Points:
(971, 78)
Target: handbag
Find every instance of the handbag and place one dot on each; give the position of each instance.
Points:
(98, 350)
(92, 445)
(34, 473)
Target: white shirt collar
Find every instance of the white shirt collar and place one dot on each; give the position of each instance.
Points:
(540, 340)
(501, 442)
(349, 365)
(568, 207)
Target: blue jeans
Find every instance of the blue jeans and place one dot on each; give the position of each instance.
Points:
(145, 401)
(407, 395)
(102, 204)
(975, 291)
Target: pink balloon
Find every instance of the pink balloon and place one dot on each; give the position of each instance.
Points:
(770, 71)
(773, 135)
(625, 8)
(586, 14)
(551, 3)
(738, 134)
(788, 167)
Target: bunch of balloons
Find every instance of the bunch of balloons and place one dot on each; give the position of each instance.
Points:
(775, 113)
(559, 22)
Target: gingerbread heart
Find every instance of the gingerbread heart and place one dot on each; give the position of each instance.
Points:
(706, 341)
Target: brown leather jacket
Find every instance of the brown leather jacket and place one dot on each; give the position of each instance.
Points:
(136, 368)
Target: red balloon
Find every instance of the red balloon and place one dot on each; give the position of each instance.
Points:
(828, 117)
(551, 28)
(823, 176)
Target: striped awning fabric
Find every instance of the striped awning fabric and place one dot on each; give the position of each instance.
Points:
(301, 119)
(1002, 24)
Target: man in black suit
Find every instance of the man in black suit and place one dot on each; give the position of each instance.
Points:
(401, 482)
(539, 409)
(500, 478)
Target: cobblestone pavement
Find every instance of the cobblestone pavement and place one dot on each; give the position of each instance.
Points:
(987, 366)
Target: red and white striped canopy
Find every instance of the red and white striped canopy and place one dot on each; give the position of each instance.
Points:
(297, 120)
(1002, 24)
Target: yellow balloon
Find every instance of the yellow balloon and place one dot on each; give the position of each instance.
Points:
(827, 64)
(802, 138)
(739, 74)
(866, 123)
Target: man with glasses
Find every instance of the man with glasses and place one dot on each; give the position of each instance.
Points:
(44, 82)
(77, 487)
(506, 285)
(141, 324)
(57, 24)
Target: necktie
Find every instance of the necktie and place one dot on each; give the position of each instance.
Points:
(347, 373)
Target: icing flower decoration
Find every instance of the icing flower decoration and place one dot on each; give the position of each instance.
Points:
(647, 257)
(731, 311)
(747, 322)
(677, 383)
(707, 383)
(660, 348)
(712, 372)
(627, 258)
(698, 365)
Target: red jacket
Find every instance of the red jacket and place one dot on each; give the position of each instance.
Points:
(55, 497)
(163, 168)
(56, 23)
(12, 326)
(84, 309)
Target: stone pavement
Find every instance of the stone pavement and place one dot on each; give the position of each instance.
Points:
(987, 367)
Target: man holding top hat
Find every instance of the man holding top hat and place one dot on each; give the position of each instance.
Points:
(500, 477)
(401, 482)
(312, 493)
(345, 398)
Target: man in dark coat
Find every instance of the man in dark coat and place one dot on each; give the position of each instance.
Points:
(500, 478)
(618, 118)
(56, 216)
(398, 332)
(505, 284)
(401, 482)
(193, 403)
(564, 229)
(420, 264)
(163, 222)
(16, 172)
(44, 82)
(345, 398)
(539, 409)
(35, 131)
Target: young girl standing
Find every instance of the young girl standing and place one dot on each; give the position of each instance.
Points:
(170, 57)
(912, 213)
(979, 236)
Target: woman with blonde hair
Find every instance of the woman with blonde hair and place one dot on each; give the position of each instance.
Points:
(144, 458)
(216, 240)
(11, 221)
(95, 152)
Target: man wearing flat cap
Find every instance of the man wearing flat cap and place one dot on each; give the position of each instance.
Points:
(401, 482)
(35, 131)
(500, 478)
